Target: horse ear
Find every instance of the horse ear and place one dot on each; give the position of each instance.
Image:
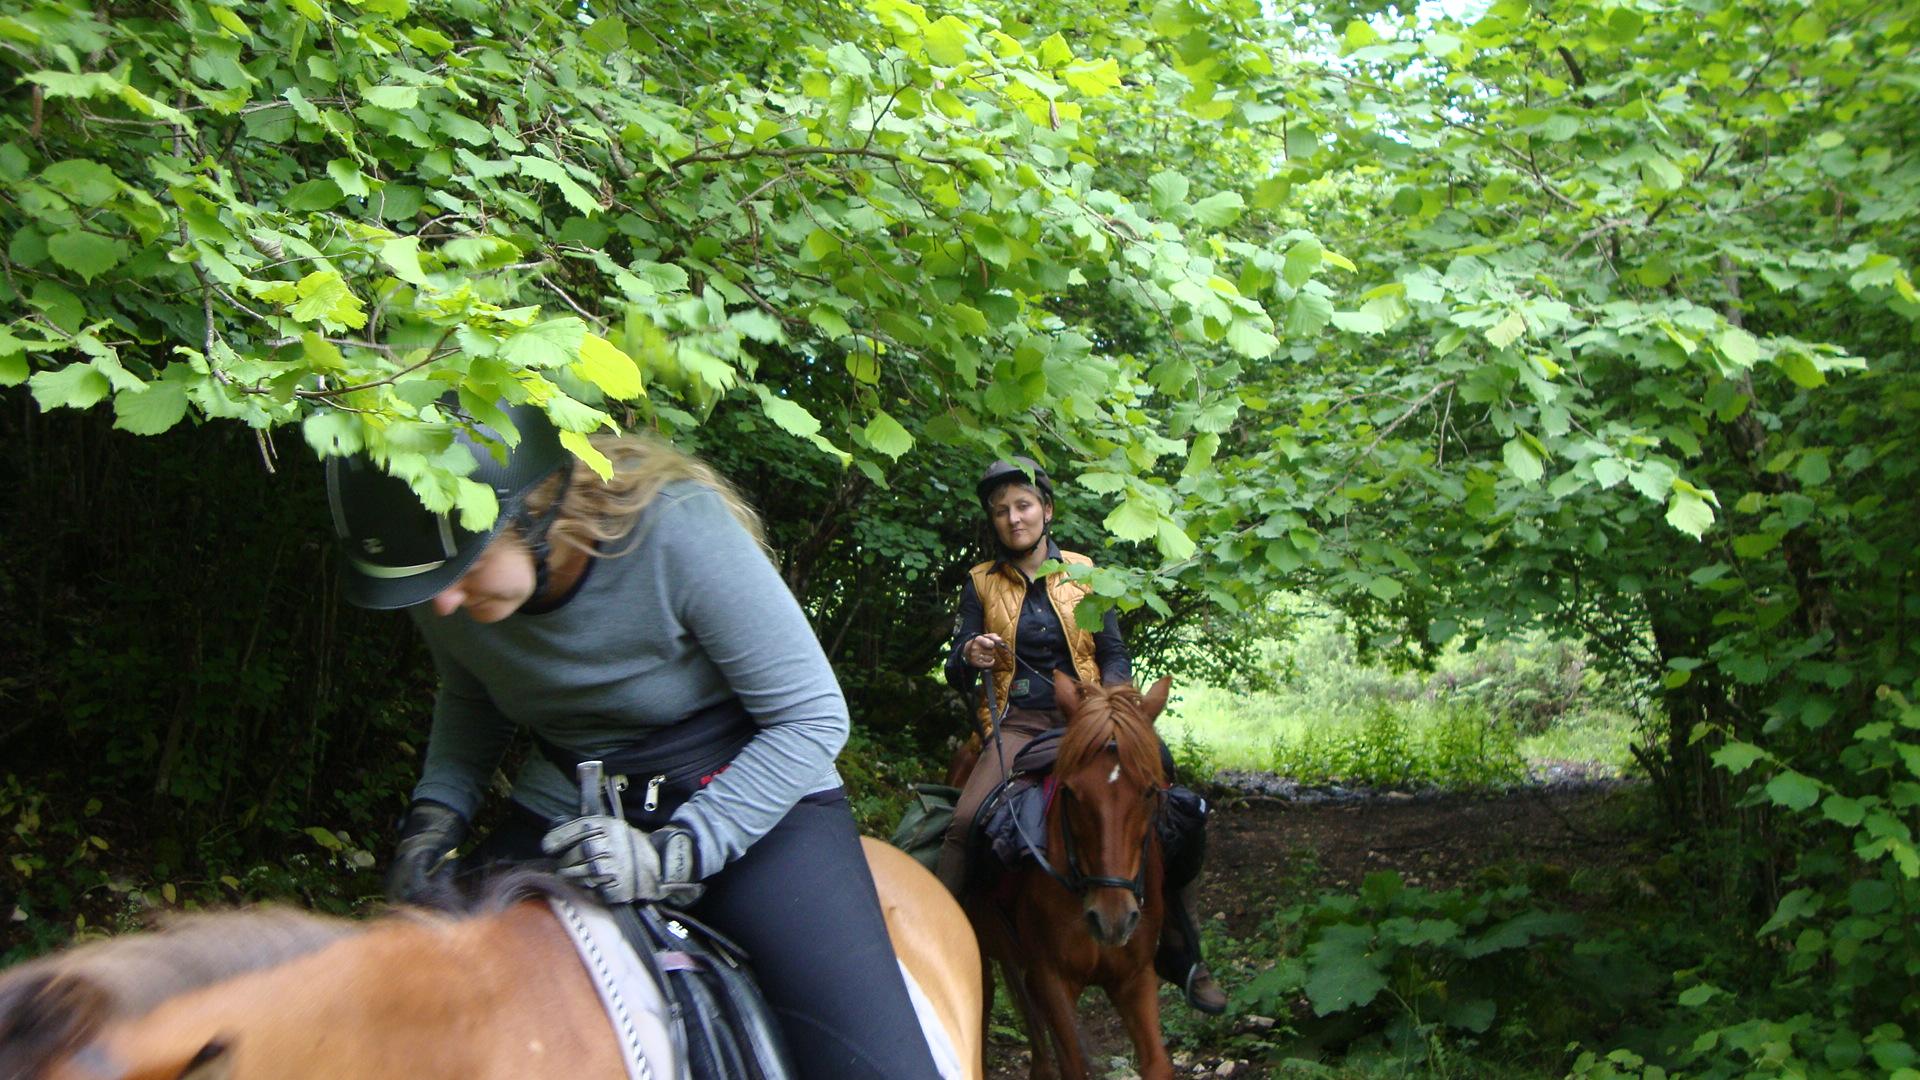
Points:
(1157, 697)
(45, 1016)
(211, 1063)
(1066, 692)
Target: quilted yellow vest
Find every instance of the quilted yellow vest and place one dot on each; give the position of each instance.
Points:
(1001, 595)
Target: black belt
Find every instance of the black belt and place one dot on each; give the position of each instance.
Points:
(671, 763)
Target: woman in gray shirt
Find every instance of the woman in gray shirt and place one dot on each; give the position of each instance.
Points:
(638, 620)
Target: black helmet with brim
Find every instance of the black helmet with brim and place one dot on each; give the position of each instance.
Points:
(1019, 470)
(399, 553)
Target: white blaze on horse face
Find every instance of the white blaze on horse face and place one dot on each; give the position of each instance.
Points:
(1114, 776)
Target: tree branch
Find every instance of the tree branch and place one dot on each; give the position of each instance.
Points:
(1389, 429)
(701, 157)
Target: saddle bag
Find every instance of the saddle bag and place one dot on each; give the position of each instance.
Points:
(1014, 815)
(923, 825)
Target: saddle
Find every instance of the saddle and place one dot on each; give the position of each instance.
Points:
(654, 1013)
(1014, 815)
(720, 1026)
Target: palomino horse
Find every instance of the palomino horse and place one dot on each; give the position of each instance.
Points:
(283, 994)
(1090, 915)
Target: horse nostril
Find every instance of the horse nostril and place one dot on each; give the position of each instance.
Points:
(1094, 926)
(1133, 921)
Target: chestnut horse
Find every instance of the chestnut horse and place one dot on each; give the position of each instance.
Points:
(1090, 914)
(282, 994)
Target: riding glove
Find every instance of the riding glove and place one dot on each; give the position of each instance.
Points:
(622, 864)
(428, 835)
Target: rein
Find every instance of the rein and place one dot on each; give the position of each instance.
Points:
(996, 715)
(1074, 880)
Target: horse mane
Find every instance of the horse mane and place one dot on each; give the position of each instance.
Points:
(502, 889)
(1117, 715)
(54, 1005)
(138, 972)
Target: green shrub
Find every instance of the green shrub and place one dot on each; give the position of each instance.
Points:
(1403, 744)
(1472, 722)
(1194, 762)
(1406, 970)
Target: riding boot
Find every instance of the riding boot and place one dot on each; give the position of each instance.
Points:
(1178, 958)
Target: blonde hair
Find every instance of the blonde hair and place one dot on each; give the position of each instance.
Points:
(596, 513)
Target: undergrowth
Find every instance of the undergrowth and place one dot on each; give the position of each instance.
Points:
(1474, 721)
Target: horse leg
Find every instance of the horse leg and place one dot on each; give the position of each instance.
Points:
(1043, 1060)
(1055, 997)
(993, 928)
(1137, 1000)
(986, 1001)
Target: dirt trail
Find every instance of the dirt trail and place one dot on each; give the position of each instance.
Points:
(1262, 849)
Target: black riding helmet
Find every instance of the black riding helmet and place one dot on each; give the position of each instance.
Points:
(1019, 470)
(400, 554)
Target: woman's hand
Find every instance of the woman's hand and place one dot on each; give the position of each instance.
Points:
(427, 838)
(984, 650)
(618, 862)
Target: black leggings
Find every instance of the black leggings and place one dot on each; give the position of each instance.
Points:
(801, 902)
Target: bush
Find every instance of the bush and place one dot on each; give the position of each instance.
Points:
(1405, 744)
(1406, 970)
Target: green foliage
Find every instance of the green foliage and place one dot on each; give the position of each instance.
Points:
(879, 773)
(182, 684)
(1849, 951)
(1399, 747)
(1411, 968)
(1471, 722)
(69, 884)
(1595, 320)
(332, 216)
(1194, 762)
(1612, 1066)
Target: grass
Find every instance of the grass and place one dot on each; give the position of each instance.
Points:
(1479, 719)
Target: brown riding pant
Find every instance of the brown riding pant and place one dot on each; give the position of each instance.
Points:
(1019, 728)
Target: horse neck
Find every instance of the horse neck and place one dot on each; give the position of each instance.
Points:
(496, 996)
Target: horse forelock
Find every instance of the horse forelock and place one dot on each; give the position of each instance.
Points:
(1117, 715)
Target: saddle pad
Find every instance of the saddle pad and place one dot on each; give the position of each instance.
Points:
(634, 1003)
(946, 1059)
(638, 1010)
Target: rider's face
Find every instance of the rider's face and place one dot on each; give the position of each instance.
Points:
(494, 587)
(1019, 515)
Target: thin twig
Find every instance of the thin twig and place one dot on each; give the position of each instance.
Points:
(1388, 430)
(699, 157)
(562, 293)
(433, 354)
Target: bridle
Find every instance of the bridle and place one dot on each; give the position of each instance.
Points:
(1074, 880)
(1077, 881)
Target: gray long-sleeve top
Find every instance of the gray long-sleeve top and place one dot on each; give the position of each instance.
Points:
(694, 614)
